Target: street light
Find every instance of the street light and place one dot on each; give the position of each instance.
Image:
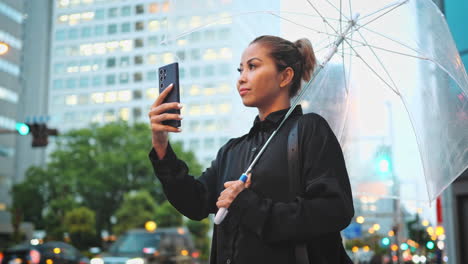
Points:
(3, 48)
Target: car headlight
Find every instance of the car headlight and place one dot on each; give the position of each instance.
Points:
(135, 261)
(97, 261)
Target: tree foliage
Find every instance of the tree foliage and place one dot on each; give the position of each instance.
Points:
(167, 215)
(136, 209)
(80, 224)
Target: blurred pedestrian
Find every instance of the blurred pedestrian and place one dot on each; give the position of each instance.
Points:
(265, 223)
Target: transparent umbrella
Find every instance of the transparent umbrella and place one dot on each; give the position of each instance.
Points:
(390, 81)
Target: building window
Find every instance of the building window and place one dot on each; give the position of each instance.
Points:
(224, 69)
(195, 72)
(153, 8)
(194, 144)
(57, 84)
(110, 62)
(124, 78)
(99, 14)
(126, 11)
(195, 54)
(59, 68)
(97, 80)
(60, 34)
(137, 77)
(70, 83)
(152, 41)
(209, 35)
(152, 58)
(224, 34)
(209, 70)
(181, 73)
(86, 32)
(138, 60)
(139, 26)
(99, 30)
(125, 27)
(112, 12)
(110, 79)
(194, 36)
(138, 43)
(136, 113)
(73, 33)
(124, 61)
(180, 55)
(137, 94)
(139, 9)
(82, 99)
(151, 76)
(84, 82)
(112, 29)
(209, 143)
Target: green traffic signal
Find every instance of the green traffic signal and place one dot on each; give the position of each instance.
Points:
(386, 241)
(383, 160)
(430, 245)
(22, 129)
(404, 246)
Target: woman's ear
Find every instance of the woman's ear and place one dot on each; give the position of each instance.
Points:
(286, 77)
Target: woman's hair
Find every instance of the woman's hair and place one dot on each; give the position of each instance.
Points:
(299, 56)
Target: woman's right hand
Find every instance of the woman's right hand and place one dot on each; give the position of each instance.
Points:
(157, 116)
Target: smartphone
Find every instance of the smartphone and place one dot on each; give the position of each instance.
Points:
(170, 74)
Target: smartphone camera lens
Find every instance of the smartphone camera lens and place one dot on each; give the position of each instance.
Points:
(160, 72)
(161, 79)
(164, 71)
(161, 85)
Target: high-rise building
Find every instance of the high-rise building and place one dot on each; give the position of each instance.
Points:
(11, 24)
(105, 57)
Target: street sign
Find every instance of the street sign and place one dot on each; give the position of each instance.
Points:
(354, 230)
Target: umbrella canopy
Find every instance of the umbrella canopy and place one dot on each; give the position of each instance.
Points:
(390, 81)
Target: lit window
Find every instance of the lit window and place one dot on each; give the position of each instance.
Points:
(124, 96)
(224, 108)
(87, 1)
(165, 6)
(71, 100)
(112, 46)
(209, 91)
(153, 8)
(209, 54)
(124, 77)
(126, 45)
(63, 18)
(195, 22)
(224, 88)
(99, 48)
(87, 16)
(97, 98)
(124, 113)
(194, 90)
(110, 97)
(152, 93)
(181, 23)
(168, 58)
(126, 10)
(225, 18)
(225, 53)
(154, 25)
(182, 42)
(73, 19)
(209, 109)
(152, 58)
(194, 110)
(64, 3)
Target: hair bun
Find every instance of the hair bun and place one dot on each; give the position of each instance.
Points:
(308, 57)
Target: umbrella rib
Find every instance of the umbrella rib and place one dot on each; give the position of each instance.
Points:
(362, 59)
(379, 60)
(379, 16)
(383, 8)
(295, 23)
(337, 9)
(324, 19)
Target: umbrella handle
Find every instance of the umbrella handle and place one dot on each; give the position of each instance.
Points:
(222, 212)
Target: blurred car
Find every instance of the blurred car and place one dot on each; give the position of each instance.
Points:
(163, 246)
(48, 253)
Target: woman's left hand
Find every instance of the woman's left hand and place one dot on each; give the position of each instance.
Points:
(233, 188)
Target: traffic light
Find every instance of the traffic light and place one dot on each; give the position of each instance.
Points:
(41, 134)
(383, 160)
(386, 241)
(22, 129)
(430, 245)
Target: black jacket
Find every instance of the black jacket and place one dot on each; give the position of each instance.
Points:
(263, 224)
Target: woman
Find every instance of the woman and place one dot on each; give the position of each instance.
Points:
(264, 224)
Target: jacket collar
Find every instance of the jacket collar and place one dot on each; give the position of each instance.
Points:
(273, 119)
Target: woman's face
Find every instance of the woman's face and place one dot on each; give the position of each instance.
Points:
(259, 80)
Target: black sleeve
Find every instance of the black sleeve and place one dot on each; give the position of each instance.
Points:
(327, 203)
(194, 198)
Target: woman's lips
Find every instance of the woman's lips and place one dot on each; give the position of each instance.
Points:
(243, 91)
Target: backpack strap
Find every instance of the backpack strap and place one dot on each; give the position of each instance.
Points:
(295, 183)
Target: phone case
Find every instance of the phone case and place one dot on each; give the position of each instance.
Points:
(170, 74)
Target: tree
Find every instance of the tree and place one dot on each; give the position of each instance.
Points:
(167, 215)
(136, 209)
(93, 167)
(80, 224)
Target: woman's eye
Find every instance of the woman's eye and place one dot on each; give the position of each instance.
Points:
(251, 66)
(239, 70)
